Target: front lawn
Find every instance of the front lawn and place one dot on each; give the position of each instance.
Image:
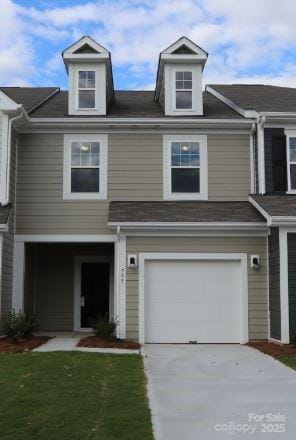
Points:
(290, 361)
(73, 396)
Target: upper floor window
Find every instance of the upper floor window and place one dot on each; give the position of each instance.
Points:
(184, 90)
(86, 89)
(85, 167)
(291, 163)
(185, 167)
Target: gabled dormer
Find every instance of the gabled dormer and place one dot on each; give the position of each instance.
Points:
(89, 70)
(179, 78)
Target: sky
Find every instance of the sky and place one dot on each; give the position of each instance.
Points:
(252, 41)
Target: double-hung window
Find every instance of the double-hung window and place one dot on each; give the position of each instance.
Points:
(184, 90)
(87, 89)
(85, 166)
(185, 167)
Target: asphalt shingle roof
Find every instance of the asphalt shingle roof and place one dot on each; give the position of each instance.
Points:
(4, 214)
(262, 98)
(133, 104)
(28, 96)
(183, 212)
(277, 205)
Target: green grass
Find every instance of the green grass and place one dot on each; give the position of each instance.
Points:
(73, 396)
(290, 361)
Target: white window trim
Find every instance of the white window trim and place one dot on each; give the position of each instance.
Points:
(289, 134)
(68, 139)
(167, 193)
(170, 89)
(73, 103)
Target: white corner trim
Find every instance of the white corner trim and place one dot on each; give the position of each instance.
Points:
(120, 285)
(103, 140)
(143, 257)
(284, 285)
(167, 193)
(261, 210)
(1, 258)
(66, 238)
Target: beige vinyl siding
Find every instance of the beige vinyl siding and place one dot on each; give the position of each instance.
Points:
(135, 172)
(8, 238)
(257, 280)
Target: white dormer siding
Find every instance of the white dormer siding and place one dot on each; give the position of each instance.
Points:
(179, 79)
(90, 78)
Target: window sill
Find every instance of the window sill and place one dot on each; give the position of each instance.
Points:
(291, 191)
(188, 197)
(84, 196)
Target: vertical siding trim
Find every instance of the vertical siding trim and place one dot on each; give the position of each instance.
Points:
(18, 276)
(285, 337)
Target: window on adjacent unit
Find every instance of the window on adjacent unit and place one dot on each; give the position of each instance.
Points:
(292, 163)
(185, 167)
(183, 84)
(85, 167)
(86, 89)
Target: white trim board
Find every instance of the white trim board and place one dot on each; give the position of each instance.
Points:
(284, 284)
(66, 238)
(143, 257)
(77, 283)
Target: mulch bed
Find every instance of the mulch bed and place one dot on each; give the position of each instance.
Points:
(273, 349)
(7, 345)
(96, 342)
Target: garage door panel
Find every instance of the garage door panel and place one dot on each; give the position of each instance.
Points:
(192, 300)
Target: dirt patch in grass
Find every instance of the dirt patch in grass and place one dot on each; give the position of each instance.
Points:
(275, 350)
(96, 342)
(8, 345)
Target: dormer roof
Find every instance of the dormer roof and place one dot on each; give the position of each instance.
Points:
(85, 50)
(183, 51)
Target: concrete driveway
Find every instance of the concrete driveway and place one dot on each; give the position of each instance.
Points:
(207, 392)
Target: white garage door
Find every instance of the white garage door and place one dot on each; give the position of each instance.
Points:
(193, 300)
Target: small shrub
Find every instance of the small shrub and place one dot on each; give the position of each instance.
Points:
(103, 327)
(19, 325)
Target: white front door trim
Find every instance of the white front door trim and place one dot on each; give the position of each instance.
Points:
(284, 283)
(143, 257)
(77, 286)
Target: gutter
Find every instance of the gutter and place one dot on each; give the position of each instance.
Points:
(6, 166)
(227, 226)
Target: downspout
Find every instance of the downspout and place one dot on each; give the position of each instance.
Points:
(253, 159)
(5, 194)
(261, 155)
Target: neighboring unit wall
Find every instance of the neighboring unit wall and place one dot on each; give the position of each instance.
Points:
(274, 284)
(1, 118)
(135, 172)
(292, 283)
(8, 238)
(257, 280)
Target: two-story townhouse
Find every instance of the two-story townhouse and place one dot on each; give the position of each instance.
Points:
(134, 204)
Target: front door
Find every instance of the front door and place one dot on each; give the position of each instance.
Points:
(95, 282)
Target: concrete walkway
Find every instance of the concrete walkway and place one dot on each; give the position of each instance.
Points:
(219, 392)
(68, 342)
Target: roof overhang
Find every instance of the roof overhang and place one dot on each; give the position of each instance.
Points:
(155, 123)
(257, 228)
(273, 220)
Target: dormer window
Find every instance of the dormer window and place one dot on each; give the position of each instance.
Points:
(87, 89)
(90, 78)
(183, 90)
